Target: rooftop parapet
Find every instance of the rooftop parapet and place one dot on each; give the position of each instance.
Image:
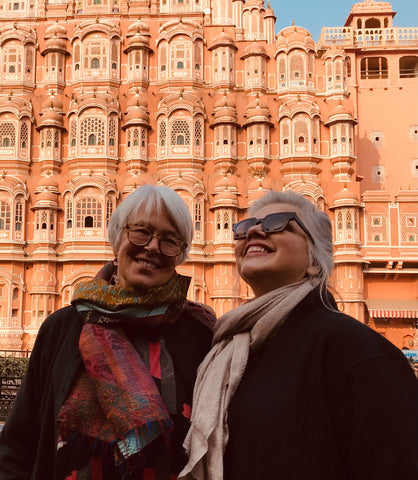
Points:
(368, 37)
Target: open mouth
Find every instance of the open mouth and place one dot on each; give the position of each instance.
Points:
(256, 248)
(146, 264)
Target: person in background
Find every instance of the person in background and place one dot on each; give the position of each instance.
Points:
(293, 389)
(109, 385)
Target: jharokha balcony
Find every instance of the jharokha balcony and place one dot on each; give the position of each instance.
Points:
(368, 37)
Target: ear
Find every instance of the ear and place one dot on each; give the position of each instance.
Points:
(313, 270)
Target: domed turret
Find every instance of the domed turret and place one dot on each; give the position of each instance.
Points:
(345, 198)
(222, 40)
(257, 111)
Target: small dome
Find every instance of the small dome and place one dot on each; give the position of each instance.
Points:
(138, 40)
(52, 103)
(257, 103)
(225, 101)
(226, 183)
(46, 199)
(257, 110)
(295, 36)
(223, 39)
(137, 114)
(257, 183)
(56, 30)
(137, 101)
(52, 118)
(138, 27)
(55, 43)
(256, 194)
(340, 113)
(227, 198)
(345, 197)
(225, 110)
(133, 182)
(254, 48)
(47, 183)
(340, 110)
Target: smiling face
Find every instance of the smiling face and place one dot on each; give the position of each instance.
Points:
(146, 267)
(269, 261)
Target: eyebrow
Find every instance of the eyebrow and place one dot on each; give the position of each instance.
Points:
(149, 226)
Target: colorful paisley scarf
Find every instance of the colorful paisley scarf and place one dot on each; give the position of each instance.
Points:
(114, 401)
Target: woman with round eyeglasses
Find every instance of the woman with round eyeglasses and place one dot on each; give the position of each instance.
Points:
(109, 386)
(293, 389)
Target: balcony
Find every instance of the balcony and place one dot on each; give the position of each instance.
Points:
(368, 37)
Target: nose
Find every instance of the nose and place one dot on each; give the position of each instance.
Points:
(153, 244)
(256, 230)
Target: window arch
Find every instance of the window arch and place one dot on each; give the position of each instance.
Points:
(180, 133)
(92, 129)
(297, 69)
(300, 130)
(374, 67)
(180, 58)
(89, 213)
(7, 134)
(5, 213)
(12, 61)
(19, 213)
(408, 66)
(69, 214)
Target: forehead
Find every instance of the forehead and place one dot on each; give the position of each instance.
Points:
(158, 219)
(276, 208)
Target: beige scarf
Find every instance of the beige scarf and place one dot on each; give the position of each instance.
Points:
(238, 332)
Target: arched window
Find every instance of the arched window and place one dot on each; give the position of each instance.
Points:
(95, 63)
(374, 67)
(408, 67)
(92, 131)
(180, 133)
(4, 215)
(89, 213)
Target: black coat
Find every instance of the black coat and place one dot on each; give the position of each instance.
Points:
(28, 441)
(326, 399)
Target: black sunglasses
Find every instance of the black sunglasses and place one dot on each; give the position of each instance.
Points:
(274, 222)
(141, 236)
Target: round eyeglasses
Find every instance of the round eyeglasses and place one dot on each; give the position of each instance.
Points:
(140, 236)
(272, 223)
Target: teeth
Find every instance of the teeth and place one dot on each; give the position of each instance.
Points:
(146, 264)
(256, 249)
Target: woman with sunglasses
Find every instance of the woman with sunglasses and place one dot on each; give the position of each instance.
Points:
(109, 386)
(293, 389)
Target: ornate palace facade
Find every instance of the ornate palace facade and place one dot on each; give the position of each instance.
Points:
(98, 97)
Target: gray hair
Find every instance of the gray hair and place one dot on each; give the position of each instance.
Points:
(319, 226)
(148, 201)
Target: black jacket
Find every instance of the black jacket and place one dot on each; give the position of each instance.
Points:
(326, 399)
(28, 439)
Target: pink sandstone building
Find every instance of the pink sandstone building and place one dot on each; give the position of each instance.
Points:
(98, 97)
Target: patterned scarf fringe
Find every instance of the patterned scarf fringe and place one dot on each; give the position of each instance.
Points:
(125, 453)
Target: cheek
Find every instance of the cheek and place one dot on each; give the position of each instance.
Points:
(239, 247)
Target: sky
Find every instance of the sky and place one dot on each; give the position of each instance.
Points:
(314, 14)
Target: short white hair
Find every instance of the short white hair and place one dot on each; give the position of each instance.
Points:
(148, 201)
(318, 225)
